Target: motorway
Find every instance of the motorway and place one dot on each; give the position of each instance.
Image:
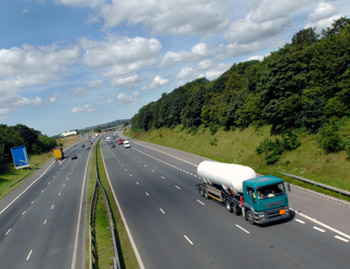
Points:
(43, 220)
(172, 226)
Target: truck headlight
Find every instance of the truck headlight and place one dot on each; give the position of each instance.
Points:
(261, 216)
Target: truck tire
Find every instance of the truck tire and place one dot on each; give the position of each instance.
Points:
(235, 209)
(200, 190)
(229, 206)
(206, 194)
(250, 217)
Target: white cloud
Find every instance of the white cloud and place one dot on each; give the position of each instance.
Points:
(179, 17)
(123, 51)
(128, 98)
(110, 101)
(54, 97)
(205, 64)
(84, 108)
(80, 91)
(186, 73)
(256, 57)
(157, 82)
(81, 3)
(95, 84)
(115, 82)
(323, 16)
(198, 51)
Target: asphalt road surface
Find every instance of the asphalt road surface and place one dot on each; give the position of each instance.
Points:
(174, 227)
(42, 222)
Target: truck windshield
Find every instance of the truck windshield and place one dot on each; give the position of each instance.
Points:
(270, 191)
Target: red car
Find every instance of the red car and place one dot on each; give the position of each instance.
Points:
(120, 141)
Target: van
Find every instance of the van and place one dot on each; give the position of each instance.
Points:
(126, 144)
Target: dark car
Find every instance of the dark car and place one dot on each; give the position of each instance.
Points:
(74, 157)
(113, 146)
(83, 145)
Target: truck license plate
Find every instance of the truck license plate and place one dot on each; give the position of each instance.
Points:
(282, 211)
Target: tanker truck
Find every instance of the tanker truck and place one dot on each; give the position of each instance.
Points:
(260, 199)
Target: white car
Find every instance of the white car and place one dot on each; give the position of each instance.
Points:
(126, 144)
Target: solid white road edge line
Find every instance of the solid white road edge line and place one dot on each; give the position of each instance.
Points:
(137, 254)
(26, 188)
(75, 249)
(322, 224)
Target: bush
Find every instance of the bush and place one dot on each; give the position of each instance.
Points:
(329, 138)
(274, 149)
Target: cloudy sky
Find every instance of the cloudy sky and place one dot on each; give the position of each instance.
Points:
(70, 64)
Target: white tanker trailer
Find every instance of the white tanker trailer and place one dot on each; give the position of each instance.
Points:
(261, 199)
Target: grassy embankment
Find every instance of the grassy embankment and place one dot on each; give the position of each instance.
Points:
(36, 161)
(101, 223)
(239, 146)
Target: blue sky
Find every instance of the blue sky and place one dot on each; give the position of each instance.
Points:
(71, 64)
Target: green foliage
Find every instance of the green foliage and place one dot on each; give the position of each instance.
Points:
(303, 85)
(19, 135)
(329, 138)
(274, 149)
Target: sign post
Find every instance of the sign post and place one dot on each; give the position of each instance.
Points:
(20, 157)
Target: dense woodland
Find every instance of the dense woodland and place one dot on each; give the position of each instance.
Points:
(305, 85)
(13, 136)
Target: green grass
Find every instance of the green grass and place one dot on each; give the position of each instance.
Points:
(105, 253)
(238, 146)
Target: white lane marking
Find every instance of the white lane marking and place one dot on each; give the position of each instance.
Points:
(147, 193)
(242, 229)
(300, 221)
(145, 165)
(341, 238)
(52, 207)
(23, 213)
(177, 187)
(152, 171)
(59, 194)
(200, 202)
(42, 190)
(64, 185)
(49, 182)
(130, 175)
(322, 224)
(188, 239)
(161, 210)
(67, 178)
(8, 231)
(30, 253)
(137, 183)
(319, 229)
(32, 202)
(45, 221)
(162, 177)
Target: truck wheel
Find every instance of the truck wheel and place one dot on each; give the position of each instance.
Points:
(235, 210)
(250, 217)
(229, 206)
(206, 194)
(200, 190)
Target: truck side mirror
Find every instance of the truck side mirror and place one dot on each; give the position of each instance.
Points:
(288, 186)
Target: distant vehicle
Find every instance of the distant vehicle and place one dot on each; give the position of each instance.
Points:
(88, 147)
(126, 144)
(73, 156)
(108, 138)
(58, 153)
(91, 142)
(113, 146)
(83, 145)
(120, 141)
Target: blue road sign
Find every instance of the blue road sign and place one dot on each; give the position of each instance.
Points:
(20, 157)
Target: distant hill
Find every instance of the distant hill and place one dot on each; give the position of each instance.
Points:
(98, 128)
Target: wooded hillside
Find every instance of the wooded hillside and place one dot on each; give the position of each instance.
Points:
(304, 85)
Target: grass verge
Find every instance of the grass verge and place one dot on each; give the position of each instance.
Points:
(239, 146)
(105, 253)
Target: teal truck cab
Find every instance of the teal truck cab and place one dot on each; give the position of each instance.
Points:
(264, 200)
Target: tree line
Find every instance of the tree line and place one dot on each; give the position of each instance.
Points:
(18, 135)
(303, 85)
